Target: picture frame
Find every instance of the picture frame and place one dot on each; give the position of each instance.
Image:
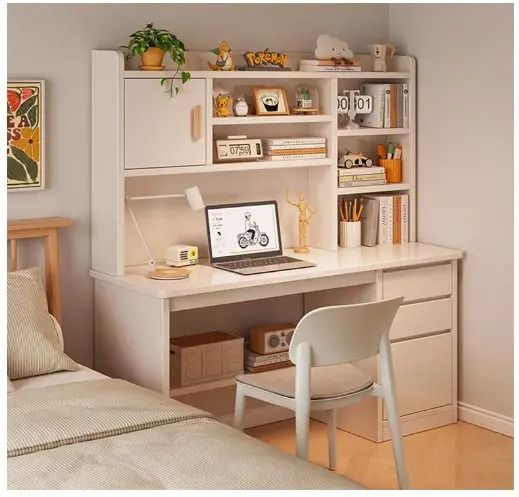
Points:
(25, 135)
(271, 102)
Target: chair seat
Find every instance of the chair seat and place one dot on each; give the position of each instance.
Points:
(327, 381)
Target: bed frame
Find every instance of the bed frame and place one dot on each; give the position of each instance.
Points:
(48, 229)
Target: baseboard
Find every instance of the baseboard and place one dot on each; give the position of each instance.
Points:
(486, 419)
(258, 416)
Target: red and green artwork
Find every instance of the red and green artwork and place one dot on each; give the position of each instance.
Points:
(25, 169)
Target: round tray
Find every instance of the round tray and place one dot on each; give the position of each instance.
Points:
(168, 273)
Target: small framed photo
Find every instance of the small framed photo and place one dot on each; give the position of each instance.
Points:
(271, 101)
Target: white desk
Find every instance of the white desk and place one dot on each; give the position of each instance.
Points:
(134, 314)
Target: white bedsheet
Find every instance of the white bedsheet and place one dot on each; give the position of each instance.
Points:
(45, 380)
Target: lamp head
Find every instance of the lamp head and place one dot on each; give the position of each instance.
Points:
(194, 198)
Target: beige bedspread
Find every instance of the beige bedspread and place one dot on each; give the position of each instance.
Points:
(110, 434)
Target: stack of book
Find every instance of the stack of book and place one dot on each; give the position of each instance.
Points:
(255, 363)
(385, 219)
(328, 65)
(361, 176)
(298, 148)
(390, 105)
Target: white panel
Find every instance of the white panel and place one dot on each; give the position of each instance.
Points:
(419, 283)
(159, 128)
(422, 318)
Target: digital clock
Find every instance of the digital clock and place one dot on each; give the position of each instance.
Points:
(238, 148)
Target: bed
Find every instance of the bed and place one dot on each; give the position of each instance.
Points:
(82, 430)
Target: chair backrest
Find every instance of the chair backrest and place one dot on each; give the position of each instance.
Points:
(344, 333)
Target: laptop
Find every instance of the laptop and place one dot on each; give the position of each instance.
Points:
(245, 238)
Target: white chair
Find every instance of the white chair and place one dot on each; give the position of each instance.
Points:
(325, 341)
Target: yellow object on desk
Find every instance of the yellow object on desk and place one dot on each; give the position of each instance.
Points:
(168, 273)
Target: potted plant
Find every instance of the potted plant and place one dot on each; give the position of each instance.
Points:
(152, 44)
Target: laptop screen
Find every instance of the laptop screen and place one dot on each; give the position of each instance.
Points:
(238, 231)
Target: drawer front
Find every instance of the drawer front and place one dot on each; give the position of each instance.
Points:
(423, 373)
(418, 283)
(422, 318)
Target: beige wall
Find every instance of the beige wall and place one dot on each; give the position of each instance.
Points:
(53, 42)
(465, 174)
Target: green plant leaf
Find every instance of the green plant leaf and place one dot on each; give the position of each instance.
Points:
(33, 116)
(185, 77)
(15, 170)
(26, 106)
(30, 165)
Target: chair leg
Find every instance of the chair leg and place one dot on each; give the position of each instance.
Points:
(302, 399)
(302, 429)
(332, 424)
(239, 408)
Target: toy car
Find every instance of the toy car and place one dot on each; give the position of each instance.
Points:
(349, 160)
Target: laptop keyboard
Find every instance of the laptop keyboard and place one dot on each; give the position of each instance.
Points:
(266, 261)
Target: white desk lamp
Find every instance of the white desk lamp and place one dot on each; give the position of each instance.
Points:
(193, 197)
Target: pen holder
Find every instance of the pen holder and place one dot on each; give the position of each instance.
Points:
(393, 168)
(349, 234)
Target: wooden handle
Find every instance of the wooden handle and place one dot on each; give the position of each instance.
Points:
(196, 122)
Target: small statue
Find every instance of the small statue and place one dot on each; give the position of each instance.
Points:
(240, 107)
(224, 60)
(221, 103)
(305, 214)
(378, 52)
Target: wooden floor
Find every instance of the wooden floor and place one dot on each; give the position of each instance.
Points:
(459, 456)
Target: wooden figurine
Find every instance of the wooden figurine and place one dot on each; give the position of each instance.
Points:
(305, 214)
(224, 60)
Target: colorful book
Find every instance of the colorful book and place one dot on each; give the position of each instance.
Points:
(342, 171)
(294, 141)
(397, 219)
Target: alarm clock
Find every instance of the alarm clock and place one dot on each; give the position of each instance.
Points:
(238, 148)
(271, 338)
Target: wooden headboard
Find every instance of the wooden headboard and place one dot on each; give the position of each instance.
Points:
(46, 228)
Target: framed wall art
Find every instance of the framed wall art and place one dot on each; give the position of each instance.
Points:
(25, 135)
(271, 101)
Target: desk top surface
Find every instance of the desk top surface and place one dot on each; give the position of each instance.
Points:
(205, 279)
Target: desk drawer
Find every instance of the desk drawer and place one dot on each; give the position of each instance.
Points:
(418, 283)
(422, 318)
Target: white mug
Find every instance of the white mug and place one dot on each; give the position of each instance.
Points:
(349, 234)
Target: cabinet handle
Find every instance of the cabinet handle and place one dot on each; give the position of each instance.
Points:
(196, 122)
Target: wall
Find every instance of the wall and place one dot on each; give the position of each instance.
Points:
(465, 178)
(53, 42)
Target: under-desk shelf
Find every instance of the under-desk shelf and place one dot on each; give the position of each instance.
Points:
(372, 131)
(229, 167)
(290, 119)
(390, 187)
(201, 387)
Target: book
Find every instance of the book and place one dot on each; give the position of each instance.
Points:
(397, 219)
(405, 219)
(348, 184)
(369, 221)
(325, 62)
(342, 171)
(376, 118)
(385, 222)
(362, 177)
(294, 157)
(393, 105)
(310, 68)
(405, 105)
(255, 358)
(294, 141)
(267, 146)
(295, 151)
(400, 106)
(387, 106)
(268, 367)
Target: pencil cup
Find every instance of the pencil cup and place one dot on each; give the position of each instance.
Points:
(393, 168)
(349, 234)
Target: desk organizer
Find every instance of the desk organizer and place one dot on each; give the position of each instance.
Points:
(205, 357)
(393, 168)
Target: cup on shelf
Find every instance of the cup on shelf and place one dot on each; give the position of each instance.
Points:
(349, 234)
(393, 168)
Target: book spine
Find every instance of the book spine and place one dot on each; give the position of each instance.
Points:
(295, 151)
(342, 171)
(405, 116)
(405, 219)
(258, 358)
(400, 105)
(382, 223)
(346, 184)
(362, 177)
(389, 232)
(294, 157)
(387, 106)
(255, 363)
(324, 62)
(268, 146)
(310, 68)
(393, 106)
(294, 141)
(397, 219)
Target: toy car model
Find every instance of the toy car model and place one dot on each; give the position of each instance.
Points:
(349, 160)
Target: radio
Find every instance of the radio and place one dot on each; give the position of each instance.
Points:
(271, 338)
(181, 255)
(238, 148)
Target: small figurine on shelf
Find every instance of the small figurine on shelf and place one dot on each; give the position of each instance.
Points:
(378, 52)
(329, 48)
(240, 107)
(224, 60)
(222, 104)
(306, 100)
(305, 214)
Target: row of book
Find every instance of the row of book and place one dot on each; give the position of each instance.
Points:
(385, 219)
(361, 176)
(390, 105)
(256, 363)
(328, 65)
(296, 148)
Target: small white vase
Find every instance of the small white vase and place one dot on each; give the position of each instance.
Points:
(349, 234)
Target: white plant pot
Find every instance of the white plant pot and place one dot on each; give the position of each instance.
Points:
(349, 234)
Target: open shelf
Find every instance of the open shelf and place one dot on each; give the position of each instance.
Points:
(201, 387)
(373, 131)
(290, 119)
(226, 167)
(392, 187)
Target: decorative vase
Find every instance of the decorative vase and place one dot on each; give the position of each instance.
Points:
(152, 59)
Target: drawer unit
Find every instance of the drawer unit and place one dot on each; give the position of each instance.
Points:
(420, 283)
(422, 318)
(423, 373)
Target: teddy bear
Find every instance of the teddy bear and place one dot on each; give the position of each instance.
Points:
(334, 49)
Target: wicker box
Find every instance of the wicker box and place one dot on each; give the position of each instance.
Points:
(205, 357)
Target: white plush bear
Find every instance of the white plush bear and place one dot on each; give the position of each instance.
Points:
(332, 48)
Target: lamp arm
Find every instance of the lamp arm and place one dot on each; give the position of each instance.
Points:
(151, 260)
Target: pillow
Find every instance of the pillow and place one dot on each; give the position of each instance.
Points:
(34, 345)
(10, 386)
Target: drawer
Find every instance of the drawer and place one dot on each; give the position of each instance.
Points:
(423, 373)
(422, 318)
(418, 283)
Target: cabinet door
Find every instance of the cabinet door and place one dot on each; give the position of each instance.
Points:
(160, 130)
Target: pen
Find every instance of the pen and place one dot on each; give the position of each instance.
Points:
(381, 151)
(390, 150)
(398, 152)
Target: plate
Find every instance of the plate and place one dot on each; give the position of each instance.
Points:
(152, 68)
(168, 273)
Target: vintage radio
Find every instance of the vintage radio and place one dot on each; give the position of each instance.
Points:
(271, 338)
(238, 148)
(181, 255)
